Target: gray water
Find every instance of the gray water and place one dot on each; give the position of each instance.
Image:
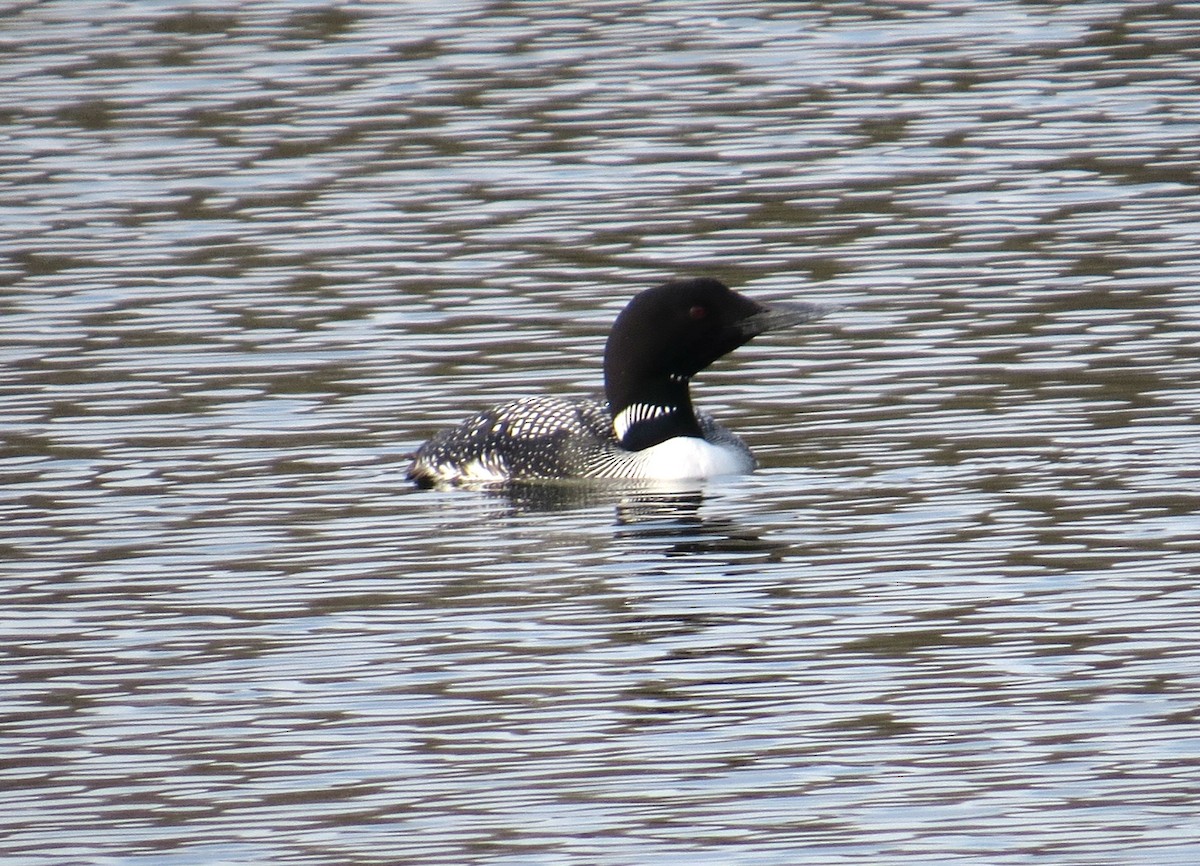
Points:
(255, 253)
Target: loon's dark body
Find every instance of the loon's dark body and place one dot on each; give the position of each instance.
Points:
(648, 428)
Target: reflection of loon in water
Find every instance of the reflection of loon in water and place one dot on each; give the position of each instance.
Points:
(654, 514)
(647, 429)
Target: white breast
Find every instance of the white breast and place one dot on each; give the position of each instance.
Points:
(686, 457)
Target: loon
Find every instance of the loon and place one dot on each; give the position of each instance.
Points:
(647, 429)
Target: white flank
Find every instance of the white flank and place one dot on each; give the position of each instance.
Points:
(487, 469)
(687, 458)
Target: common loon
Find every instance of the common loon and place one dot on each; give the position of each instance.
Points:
(648, 428)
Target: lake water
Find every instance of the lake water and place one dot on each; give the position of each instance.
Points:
(254, 253)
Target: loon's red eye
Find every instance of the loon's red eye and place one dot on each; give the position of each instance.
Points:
(698, 312)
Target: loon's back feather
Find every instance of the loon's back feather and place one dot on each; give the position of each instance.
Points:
(555, 437)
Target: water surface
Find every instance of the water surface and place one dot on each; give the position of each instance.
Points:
(254, 254)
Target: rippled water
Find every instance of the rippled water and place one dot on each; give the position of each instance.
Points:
(253, 254)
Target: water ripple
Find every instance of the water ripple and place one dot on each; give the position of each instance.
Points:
(255, 253)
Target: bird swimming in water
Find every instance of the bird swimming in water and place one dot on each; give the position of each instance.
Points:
(647, 429)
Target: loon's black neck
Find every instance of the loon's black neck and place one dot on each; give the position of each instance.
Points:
(653, 412)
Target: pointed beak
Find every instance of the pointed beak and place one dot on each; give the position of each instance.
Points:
(772, 317)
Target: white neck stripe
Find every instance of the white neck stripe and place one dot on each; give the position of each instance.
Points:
(635, 413)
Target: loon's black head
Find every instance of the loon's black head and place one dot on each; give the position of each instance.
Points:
(666, 335)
